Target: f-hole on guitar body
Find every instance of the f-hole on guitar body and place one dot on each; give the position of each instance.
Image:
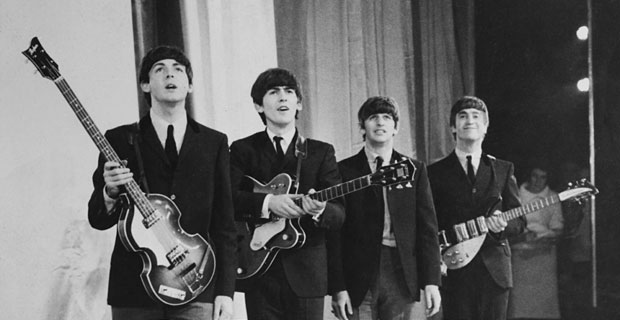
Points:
(265, 240)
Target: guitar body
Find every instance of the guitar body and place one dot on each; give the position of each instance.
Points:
(177, 266)
(251, 262)
(462, 253)
(258, 245)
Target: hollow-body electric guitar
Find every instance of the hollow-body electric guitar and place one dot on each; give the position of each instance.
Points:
(460, 244)
(259, 244)
(177, 266)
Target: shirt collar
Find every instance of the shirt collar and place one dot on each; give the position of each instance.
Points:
(287, 138)
(372, 156)
(161, 128)
(475, 158)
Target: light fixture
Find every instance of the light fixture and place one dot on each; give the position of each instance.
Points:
(583, 33)
(583, 85)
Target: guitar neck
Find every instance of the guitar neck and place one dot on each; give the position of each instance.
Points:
(103, 145)
(530, 207)
(340, 190)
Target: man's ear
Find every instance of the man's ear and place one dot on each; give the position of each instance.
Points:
(190, 88)
(453, 129)
(259, 108)
(145, 86)
(299, 105)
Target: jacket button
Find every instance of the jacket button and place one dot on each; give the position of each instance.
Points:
(473, 190)
(172, 197)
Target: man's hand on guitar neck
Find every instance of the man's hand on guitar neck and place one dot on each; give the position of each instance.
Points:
(114, 176)
(284, 205)
(496, 223)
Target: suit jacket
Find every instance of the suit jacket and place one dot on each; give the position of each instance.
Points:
(457, 201)
(305, 268)
(200, 187)
(357, 247)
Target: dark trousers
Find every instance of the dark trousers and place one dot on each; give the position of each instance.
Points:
(388, 298)
(270, 297)
(471, 293)
(190, 311)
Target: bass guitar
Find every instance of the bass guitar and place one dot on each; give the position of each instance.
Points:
(177, 266)
(460, 244)
(259, 244)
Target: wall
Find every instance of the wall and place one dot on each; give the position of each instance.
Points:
(49, 251)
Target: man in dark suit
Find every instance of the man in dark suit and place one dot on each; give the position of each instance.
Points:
(466, 184)
(387, 249)
(295, 285)
(173, 155)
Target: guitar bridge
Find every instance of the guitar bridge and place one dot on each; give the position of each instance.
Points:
(176, 256)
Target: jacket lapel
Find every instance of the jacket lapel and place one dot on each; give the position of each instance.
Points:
(191, 136)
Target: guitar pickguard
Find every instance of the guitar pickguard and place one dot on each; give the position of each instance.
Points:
(460, 254)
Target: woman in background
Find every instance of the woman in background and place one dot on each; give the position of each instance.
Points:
(535, 291)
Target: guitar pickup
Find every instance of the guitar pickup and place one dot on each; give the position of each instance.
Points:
(461, 232)
(482, 225)
(176, 256)
(471, 228)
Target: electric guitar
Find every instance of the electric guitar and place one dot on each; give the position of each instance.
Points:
(460, 244)
(259, 244)
(177, 266)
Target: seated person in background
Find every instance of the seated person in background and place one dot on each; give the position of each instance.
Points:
(535, 291)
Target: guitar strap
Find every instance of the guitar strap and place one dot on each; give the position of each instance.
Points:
(301, 152)
(134, 140)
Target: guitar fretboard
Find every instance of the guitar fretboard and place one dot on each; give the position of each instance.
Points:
(530, 207)
(144, 206)
(339, 190)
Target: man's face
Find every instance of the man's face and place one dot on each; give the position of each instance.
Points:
(379, 128)
(168, 81)
(538, 180)
(280, 104)
(470, 124)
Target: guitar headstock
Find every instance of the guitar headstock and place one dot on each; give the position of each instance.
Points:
(578, 190)
(44, 63)
(395, 173)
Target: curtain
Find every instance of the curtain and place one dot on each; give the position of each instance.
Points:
(346, 51)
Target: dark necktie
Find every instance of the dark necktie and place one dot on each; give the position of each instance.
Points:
(279, 151)
(171, 147)
(470, 171)
(378, 163)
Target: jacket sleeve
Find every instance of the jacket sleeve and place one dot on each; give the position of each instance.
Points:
(248, 204)
(222, 228)
(510, 200)
(427, 244)
(98, 216)
(334, 215)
